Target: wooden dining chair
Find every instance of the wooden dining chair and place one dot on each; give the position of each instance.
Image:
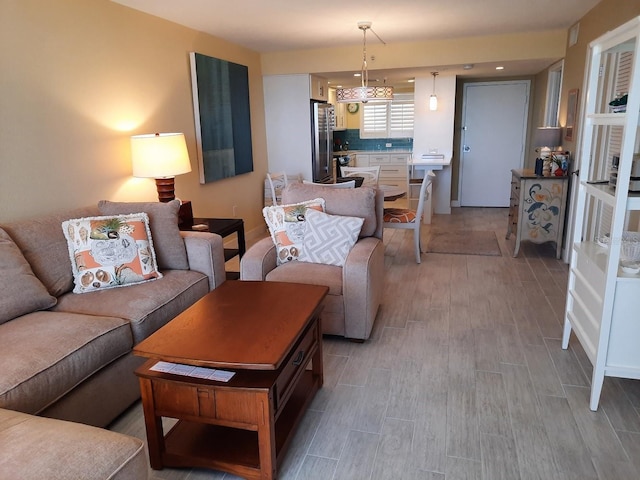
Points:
(408, 219)
(370, 174)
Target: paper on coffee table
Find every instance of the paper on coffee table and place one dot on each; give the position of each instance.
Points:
(191, 371)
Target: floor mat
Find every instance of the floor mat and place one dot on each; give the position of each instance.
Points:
(464, 242)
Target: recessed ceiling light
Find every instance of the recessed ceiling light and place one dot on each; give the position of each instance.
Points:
(467, 66)
(500, 68)
(411, 80)
(357, 74)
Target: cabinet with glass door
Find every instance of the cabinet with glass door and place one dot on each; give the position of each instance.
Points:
(603, 298)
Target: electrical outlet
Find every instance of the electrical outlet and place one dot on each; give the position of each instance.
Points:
(235, 211)
(388, 145)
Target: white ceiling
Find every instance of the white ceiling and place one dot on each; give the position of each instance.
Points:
(280, 25)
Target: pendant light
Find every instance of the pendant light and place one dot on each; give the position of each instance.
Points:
(364, 93)
(433, 100)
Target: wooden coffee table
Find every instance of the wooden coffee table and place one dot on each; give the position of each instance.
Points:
(269, 334)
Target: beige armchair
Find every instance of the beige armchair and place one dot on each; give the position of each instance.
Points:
(355, 290)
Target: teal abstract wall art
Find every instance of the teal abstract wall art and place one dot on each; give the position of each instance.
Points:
(222, 117)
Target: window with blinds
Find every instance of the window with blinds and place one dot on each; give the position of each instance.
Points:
(389, 119)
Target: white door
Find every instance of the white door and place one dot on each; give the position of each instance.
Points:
(494, 123)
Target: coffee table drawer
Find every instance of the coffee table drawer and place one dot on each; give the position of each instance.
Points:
(176, 400)
(295, 364)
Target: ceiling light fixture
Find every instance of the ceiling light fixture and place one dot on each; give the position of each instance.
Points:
(433, 100)
(364, 93)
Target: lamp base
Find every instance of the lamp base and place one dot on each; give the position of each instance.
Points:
(166, 189)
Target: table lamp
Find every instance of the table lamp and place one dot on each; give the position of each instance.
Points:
(546, 139)
(161, 156)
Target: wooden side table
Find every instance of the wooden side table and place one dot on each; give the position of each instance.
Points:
(223, 227)
(537, 208)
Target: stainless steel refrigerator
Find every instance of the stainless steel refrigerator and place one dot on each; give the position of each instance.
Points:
(322, 124)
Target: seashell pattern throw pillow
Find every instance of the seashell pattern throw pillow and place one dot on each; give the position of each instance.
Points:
(110, 251)
(287, 227)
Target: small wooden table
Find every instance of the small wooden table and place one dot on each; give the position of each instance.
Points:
(223, 227)
(269, 334)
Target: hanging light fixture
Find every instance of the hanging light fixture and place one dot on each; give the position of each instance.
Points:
(433, 100)
(364, 93)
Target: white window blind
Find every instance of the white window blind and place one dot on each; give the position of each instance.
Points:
(374, 120)
(389, 119)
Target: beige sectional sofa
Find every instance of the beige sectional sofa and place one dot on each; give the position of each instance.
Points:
(68, 356)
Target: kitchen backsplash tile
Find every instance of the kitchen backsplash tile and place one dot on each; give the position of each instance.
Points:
(340, 138)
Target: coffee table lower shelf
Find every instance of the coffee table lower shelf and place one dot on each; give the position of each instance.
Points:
(235, 450)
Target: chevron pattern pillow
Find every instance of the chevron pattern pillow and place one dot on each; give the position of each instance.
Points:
(287, 227)
(328, 238)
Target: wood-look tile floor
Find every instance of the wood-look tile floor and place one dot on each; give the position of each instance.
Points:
(463, 378)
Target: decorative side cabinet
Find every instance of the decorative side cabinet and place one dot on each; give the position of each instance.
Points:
(537, 208)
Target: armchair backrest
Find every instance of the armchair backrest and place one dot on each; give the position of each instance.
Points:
(364, 202)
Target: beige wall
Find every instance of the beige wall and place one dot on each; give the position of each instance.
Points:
(79, 77)
(492, 48)
(605, 16)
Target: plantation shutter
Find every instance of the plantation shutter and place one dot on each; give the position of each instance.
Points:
(374, 120)
(401, 116)
(388, 119)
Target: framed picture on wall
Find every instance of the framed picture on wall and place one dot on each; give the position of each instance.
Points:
(222, 117)
(572, 113)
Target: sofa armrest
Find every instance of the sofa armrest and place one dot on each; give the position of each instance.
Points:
(259, 260)
(205, 252)
(362, 286)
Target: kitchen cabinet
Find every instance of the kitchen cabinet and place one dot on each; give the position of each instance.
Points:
(340, 111)
(318, 88)
(393, 167)
(603, 297)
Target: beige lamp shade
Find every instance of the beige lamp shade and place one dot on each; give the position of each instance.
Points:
(549, 137)
(161, 156)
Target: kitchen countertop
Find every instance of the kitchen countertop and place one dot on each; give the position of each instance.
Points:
(369, 152)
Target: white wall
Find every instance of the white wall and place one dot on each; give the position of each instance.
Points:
(288, 124)
(433, 130)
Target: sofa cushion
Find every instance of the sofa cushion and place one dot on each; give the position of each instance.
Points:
(46, 354)
(21, 291)
(110, 251)
(163, 220)
(35, 447)
(42, 243)
(353, 202)
(287, 227)
(329, 238)
(146, 306)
